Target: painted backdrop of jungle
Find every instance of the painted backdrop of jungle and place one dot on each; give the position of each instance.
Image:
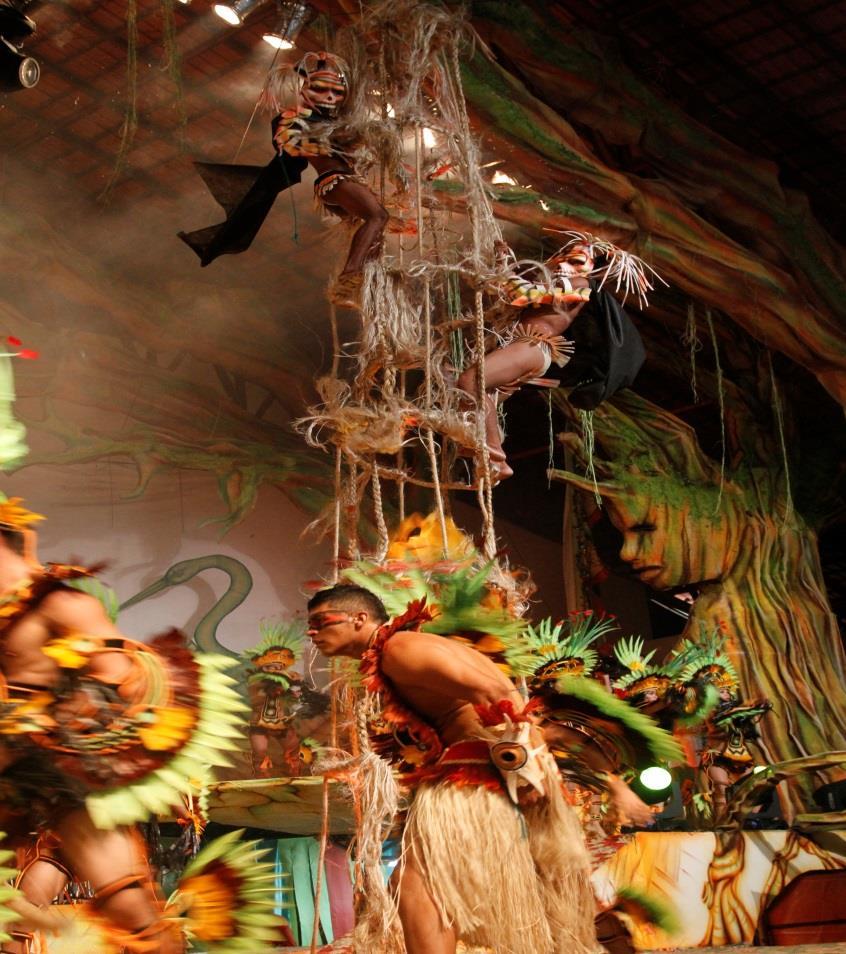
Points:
(162, 408)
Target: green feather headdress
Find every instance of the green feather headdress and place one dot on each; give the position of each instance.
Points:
(705, 660)
(546, 651)
(642, 673)
(641, 729)
(459, 595)
(395, 589)
(280, 648)
(647, 909)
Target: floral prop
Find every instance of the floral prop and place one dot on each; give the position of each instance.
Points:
(141, 757)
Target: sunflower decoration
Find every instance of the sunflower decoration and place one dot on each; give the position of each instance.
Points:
(272, 659)
(420, 539)
(226, 897)
(17, 518)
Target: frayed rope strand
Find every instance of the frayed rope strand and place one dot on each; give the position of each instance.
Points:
(722, 402)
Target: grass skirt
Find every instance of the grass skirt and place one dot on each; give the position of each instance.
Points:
(514, 881)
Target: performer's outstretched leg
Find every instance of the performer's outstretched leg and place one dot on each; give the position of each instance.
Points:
(40, 882)
(115, 865)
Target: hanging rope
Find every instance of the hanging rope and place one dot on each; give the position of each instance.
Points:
(779, 416)
(351, 508)
(400, 461)
(721, 399)
(550, 461)
(691, 339)
(484, 488)
(130, 121)
(336, 538)
(173, 65)
(379, 514)
(589, 445)
(321, 861)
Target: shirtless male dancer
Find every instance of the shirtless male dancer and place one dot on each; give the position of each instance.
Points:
(34, 794)
(477, 867)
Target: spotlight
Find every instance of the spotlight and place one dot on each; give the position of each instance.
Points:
(292, 17)
(655, 778)
(17, 70)
(236, 12)
(653, 784)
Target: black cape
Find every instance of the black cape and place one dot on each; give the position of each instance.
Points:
(609, 352)
(246, 194)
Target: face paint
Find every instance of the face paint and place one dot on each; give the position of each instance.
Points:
(325, 88)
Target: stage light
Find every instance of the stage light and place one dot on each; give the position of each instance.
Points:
(292, 17)
(15, 26)
(655, 778)
(17, 70)
(236, 12)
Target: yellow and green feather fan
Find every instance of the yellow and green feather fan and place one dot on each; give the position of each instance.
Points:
(226, 898)
(7, 892)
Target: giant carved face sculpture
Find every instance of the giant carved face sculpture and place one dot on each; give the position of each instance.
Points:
(670, 543)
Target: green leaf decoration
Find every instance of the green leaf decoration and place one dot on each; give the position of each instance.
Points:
(105, 594)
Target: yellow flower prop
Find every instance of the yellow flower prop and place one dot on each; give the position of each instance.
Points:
(420, 539)
(15, 517)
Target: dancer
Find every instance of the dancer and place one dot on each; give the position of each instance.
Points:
(274, 688)
(575, 276)
(546, 311)
(98, 732)
(731, 725)
(311, 133)
(493, 854)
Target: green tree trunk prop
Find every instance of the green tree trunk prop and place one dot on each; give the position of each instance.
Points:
(754, 557)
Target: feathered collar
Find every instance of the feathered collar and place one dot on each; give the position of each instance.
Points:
(27, 596)
(398, 733)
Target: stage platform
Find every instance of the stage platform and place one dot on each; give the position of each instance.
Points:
(290, 806)
(801, 949)
(341, 948)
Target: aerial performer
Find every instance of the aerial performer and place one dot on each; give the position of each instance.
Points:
(309, 133)
(493, 855)
(99, 732)
(541, 307)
